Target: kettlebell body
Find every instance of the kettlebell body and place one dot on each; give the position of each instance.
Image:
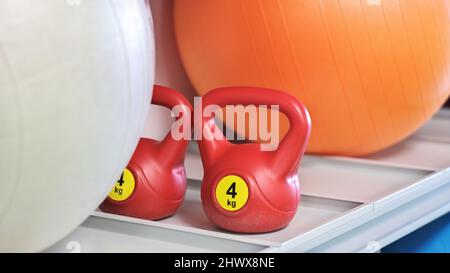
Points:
(245, 189)
(153, 185)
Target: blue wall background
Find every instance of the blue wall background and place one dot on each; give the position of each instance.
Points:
(432, 238)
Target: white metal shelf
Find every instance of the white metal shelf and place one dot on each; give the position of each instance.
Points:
(348, 205)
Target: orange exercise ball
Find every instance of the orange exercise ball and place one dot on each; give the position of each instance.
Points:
(371, 72)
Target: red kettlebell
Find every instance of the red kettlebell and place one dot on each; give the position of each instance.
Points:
(154, 183)
(245, 189)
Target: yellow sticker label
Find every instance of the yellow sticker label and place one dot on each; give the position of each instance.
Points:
(124, 187)
(232, 192)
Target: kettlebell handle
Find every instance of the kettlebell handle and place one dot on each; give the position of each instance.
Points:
(171, 150)
(291, 149)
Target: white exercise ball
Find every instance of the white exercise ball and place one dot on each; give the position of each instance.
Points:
(75, 84)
